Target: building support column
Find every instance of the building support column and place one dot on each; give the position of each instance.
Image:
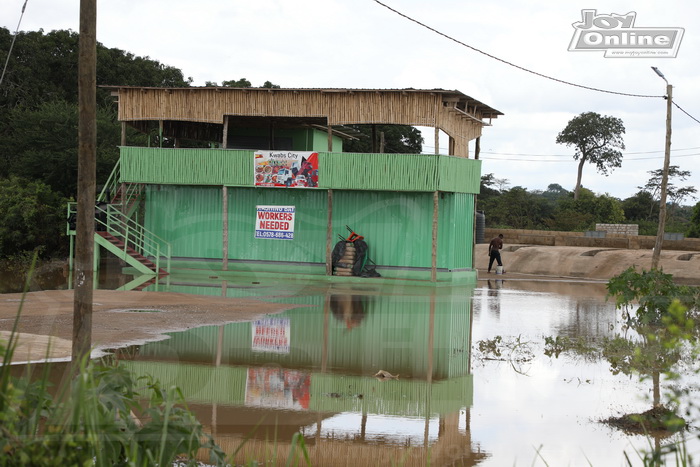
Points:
(436, 204)
(329, 235)
(437, 140)
(123, 140)
(330, 138)
(224, 220)
(224, 138)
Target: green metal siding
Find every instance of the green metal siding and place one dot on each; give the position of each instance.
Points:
(187, 217)
(309, 244)
(396, 225)
(456, 231)
(351, 171)
(186, 166)
(400, 172)
(459, 175)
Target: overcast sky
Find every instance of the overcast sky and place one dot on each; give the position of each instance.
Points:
(362, 44)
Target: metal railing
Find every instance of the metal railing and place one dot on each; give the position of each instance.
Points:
(131, 233)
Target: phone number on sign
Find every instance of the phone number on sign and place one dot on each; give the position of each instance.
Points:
(280, 235)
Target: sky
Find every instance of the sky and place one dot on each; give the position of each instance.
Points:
(363, 44)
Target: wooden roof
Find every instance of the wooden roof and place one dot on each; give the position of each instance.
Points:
(460, 116)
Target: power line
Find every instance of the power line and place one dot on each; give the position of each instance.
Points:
(568, 161)
(9, 52)
(541, 75)
(679, 108)
(569, 155)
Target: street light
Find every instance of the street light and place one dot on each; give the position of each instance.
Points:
(664, 177)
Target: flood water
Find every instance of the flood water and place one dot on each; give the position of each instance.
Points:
(311, 370)
(456, 399)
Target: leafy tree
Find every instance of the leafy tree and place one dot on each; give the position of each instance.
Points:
(31, 216)
(694, 230)
(585, 212)
(597, 140)
(398, 139)
(674, 194)
(45, 67)
(41, 144)
(640, 207)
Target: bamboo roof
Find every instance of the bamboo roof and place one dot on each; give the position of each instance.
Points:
(460, 116)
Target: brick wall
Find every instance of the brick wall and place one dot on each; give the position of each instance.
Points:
(622, 229)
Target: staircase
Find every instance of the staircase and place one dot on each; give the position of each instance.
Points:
(120, 234)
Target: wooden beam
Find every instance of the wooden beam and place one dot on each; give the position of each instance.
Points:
(437, 140)
(436, 205)
(87, 156)
(329, 235)
(224, 139)
(224, 219)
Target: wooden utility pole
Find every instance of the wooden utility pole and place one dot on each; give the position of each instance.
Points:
(656, 254)
(87, 142)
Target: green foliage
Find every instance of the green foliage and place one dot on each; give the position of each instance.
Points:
(31, 216)
(694, 229)
(398, 139)
(651, 293)
(596, 140)
(98, 418)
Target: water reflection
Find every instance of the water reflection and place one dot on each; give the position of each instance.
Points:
(311, 370)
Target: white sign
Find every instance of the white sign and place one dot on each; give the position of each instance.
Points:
(617, 36)
(275, 222)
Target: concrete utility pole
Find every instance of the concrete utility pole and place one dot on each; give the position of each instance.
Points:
(87, 142)
(656, 255)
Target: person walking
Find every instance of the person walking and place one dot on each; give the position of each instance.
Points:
(495, 248)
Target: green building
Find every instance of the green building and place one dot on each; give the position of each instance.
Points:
(256, 181)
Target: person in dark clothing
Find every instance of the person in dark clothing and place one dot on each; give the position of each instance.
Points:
(495, 251)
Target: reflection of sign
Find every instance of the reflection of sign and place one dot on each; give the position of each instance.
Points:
(286, 169)
(271, 335)
(277, 387)
(276, 222)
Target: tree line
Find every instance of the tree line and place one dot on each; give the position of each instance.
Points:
(558, 209)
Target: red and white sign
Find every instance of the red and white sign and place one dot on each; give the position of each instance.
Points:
(275, 222)
(290, 169)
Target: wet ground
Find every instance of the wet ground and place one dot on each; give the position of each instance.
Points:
(473, 385)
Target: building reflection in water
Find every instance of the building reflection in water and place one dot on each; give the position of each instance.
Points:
(311, 370)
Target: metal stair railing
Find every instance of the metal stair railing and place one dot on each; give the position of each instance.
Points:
(133, 234)
(128, 193)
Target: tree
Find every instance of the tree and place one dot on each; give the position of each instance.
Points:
(675, 194)
(31, 216)
(398, 139)
(597, 140)
(694, 230)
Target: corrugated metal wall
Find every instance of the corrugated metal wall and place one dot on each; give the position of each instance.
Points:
(188, 217)
(397, 226)
(340, 171)
(456, 231)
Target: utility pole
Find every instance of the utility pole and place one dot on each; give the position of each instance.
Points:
(656, 255)
(87, 142)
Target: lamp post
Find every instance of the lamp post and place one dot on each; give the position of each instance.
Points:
(664, 177)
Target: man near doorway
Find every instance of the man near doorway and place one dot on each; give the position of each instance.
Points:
(495, 251)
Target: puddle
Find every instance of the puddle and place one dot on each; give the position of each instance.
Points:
(473, 385)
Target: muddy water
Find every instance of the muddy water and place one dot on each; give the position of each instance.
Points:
(455, 400)
(473, 385)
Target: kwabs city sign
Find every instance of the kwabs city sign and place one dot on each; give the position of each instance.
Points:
(618, 37)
